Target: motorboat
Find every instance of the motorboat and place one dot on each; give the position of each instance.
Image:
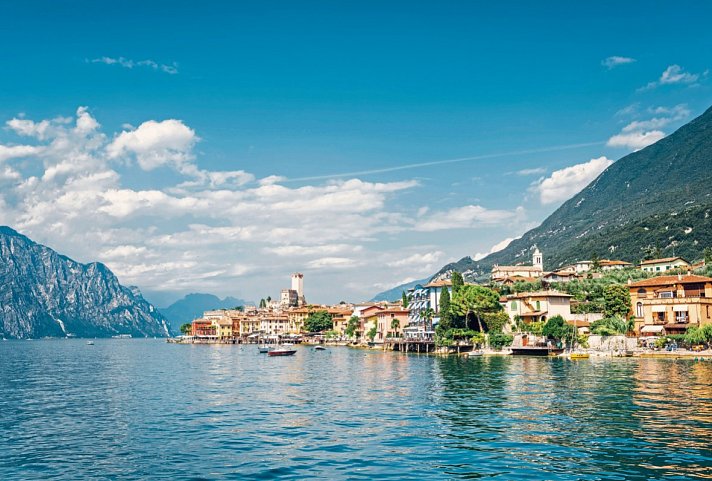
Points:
(319, 348)
(282, 352)
(264, 349)
(579, 355)
(475, 353)
(90, 343)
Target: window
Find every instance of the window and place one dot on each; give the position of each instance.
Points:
(665, 295)
(639, 310)
(642, 292)
(538, 306)
(657, 268)
(514, 306)
(681, 316)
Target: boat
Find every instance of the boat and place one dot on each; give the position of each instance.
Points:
(282, 352)
(536, 351)
(579, 355)
(90, 343)
(264, 349)
(319, 348)
(475, 353)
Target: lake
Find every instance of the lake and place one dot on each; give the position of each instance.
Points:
(145, 409)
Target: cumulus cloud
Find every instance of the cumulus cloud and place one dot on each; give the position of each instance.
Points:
(155, 144)
(532, 171)
(495, 248)
(15, 151)
(635, 140)
(171, 69)
(615, 61)
(673, 75)
(562, 184)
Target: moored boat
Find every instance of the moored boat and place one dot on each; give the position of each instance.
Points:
(475, 353)
(536, 351)
(319, 348)
(579, 355)
(264, 349)
(282, 352)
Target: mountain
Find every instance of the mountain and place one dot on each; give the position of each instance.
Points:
(396, 293)
(655, 200)
(45, 294)
(192, 306)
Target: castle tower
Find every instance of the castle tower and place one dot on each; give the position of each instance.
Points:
(538, 259)
(298, 284)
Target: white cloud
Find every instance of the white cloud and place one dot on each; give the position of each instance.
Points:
(332, 263)
(532, 171)
(672, 75)
(427, 259)
(562, 184)
(155, 144)
(465, 217)
(614, 61)
(635, 140)
(14, 151)
(171, 69)
(495, 248)
(639, 134)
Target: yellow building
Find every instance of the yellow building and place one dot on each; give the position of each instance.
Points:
(670, 304)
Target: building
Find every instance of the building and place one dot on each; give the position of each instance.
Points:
(298, 286)
(613, 265)
(662, 265)
(390, 322)
(538, 306)
(536, 270)
(288, 298)
(670, 304)
(563, 275)
(582, 266)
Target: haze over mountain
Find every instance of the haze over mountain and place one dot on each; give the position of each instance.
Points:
(193, 305)
(45, 294)
(657, 199)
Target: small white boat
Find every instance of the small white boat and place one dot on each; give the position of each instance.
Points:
(319, 348)
(90, 343)
(475, 353)
(282, 352)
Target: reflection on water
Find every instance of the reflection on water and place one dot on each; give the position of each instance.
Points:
(136, 409)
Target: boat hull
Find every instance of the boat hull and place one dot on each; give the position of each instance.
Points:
(535, 351)
(282, 352)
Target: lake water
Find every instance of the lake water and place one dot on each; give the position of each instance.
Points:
(145, 409)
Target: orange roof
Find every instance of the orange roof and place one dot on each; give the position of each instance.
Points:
(516, 268)
(670, 281)
(524, 295)
(608, 262)
(439, 283)
(661, 261)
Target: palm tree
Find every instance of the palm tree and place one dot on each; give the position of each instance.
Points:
(428, 313)
(395, 324)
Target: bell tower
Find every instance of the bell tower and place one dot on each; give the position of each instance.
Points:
(538, 259)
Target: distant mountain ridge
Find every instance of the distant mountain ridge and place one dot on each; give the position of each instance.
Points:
(46, 294)
(659, 197)
(396, 293)
(193, 305)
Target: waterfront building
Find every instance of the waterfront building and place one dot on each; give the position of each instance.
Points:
(203, 328)
(274, 324)
(662, 265)
(501, 273)
(670, 304)
(538, 306)
(390, 322)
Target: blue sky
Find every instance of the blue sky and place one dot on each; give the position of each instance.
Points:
(241, 92)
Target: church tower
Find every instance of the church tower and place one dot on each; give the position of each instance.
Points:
(538, 259)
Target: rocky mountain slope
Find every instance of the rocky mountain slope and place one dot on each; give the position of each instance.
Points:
(45, 294)
(192, 306)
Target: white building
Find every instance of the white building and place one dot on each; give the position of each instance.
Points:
(501, 273)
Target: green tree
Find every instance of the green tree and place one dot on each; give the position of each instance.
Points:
(595, 261)
(557, 328)
(474, 301)
(263, 303)
(495, 321)
(610, 326)
(186, 328)
(497, 340)
(371, 334)
(352, 326)
(427, 314)
(404, 300)
(318, 321)
(395, 324)
(457, 282)
(699, 335)
(616, 300)
(445, 314)
(708, 255)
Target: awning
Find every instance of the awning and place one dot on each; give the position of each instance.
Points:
(652, 329)
(659, 309)
(533, 314)
(681, 308)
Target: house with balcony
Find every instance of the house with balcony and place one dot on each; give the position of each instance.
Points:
(537, 306)
(670, 304)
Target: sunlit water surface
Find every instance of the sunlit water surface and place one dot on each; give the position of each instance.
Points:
(145, 409)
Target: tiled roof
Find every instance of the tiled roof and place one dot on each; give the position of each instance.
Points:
(670, 281)
(608, 262)
(516, 268)
(661, 261)
(524, 295)
(440, 283)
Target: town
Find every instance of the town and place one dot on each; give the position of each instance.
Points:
(599, 305)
